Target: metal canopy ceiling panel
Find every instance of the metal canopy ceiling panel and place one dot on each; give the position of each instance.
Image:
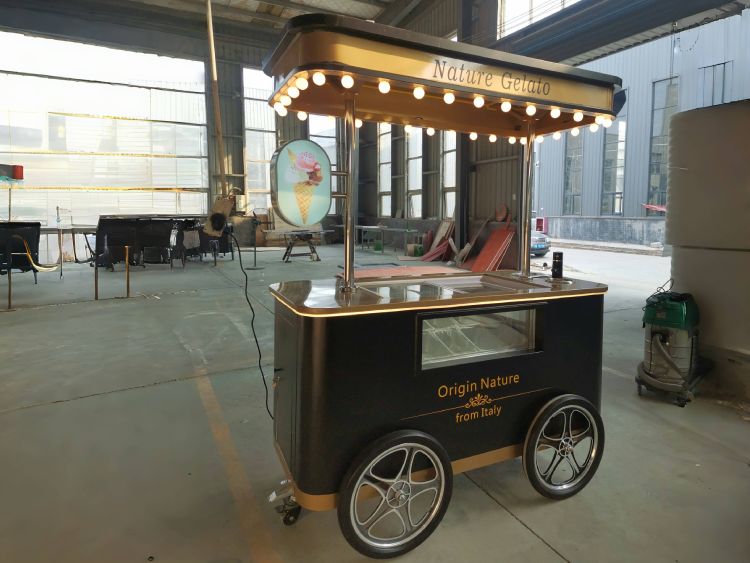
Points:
(335, 46)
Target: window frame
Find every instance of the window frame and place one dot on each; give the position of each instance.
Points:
(616, 198)
(447, 189)
(659, 196)
(411, 193)
(568, 193)
(381, 165)
(249, 192)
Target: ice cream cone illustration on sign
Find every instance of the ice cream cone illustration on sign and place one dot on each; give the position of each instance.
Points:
(305, 165)
(301, 182)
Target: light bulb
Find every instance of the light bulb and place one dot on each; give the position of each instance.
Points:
(449, 97)
(539, 139)
(478, 102)
(277, 107)
(599, 119)
(293, 92)
(301, 83)
(358, 123)
(555, 113)
(384, 87)
(319, 78)
(473, 136)
(523, 140)
(530, 109)
(575, 131)
(419, 92)
(301, 115)
(347, 81)
(285, 100)
(578, 116)
(282, 111)
(593, 128)
(407, 128)
(556, 135)
(512, 140)
(506, 106)
(607, 122)
(493, 138)
(430, 131)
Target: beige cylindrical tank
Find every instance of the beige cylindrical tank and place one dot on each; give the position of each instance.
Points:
(708, 224)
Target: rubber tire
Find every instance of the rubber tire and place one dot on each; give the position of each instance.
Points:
(539, 255)
(536, 428)
(360, 464)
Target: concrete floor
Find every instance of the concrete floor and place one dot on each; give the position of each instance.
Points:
(135, 428)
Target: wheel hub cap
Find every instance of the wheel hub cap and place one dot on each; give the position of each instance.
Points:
(566, 447)
(398, 494)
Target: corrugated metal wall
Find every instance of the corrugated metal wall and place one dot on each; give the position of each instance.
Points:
(438, 20)
(639, 67)
(496, 178)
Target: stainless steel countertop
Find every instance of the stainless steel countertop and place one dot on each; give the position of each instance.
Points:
(321, 297)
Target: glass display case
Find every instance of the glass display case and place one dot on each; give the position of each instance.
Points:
(468, 338)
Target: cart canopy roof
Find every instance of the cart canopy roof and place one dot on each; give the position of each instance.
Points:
(402, 77)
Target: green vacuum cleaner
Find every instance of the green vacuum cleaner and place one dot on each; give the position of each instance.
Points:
(671, 363)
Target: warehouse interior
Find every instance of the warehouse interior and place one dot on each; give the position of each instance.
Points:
(138, 392)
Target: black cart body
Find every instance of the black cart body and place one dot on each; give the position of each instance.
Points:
(348, 373)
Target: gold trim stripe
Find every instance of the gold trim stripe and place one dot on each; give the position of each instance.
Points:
(462, 406)
(319, 503)
(452, 304)
(487, 458)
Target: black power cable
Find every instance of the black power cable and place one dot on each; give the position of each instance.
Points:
(252, 323)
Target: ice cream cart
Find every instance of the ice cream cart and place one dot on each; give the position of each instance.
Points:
(385, 389)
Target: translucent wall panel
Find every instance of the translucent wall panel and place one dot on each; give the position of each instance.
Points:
(52, 57)
(83, 207)
(146, 133)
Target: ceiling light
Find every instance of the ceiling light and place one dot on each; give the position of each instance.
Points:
(430, 131)
(575, 131)
(319, 78)
(506, 106)
(473, 136)
(556, 135)
(607, 122)
(578, 116)
(293, 91)
(478, 102)
(493, 138)
(301, 83)
(539, 139)
(301, 115)
(407, 128)
(530, 109)
(512, 140)
(555, 113)
(384, 87)
(285, 100)
(599, 119)
(358, 123)
(523, 140)
(449, 97)
(347, 81)
(593, 128)
(419, 92)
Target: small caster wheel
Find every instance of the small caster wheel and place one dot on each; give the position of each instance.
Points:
(292, 515)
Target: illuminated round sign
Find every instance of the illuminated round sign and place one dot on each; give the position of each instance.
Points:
(301, 182)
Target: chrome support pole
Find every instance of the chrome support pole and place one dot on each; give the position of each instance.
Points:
(524, 219)
(350, 203)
